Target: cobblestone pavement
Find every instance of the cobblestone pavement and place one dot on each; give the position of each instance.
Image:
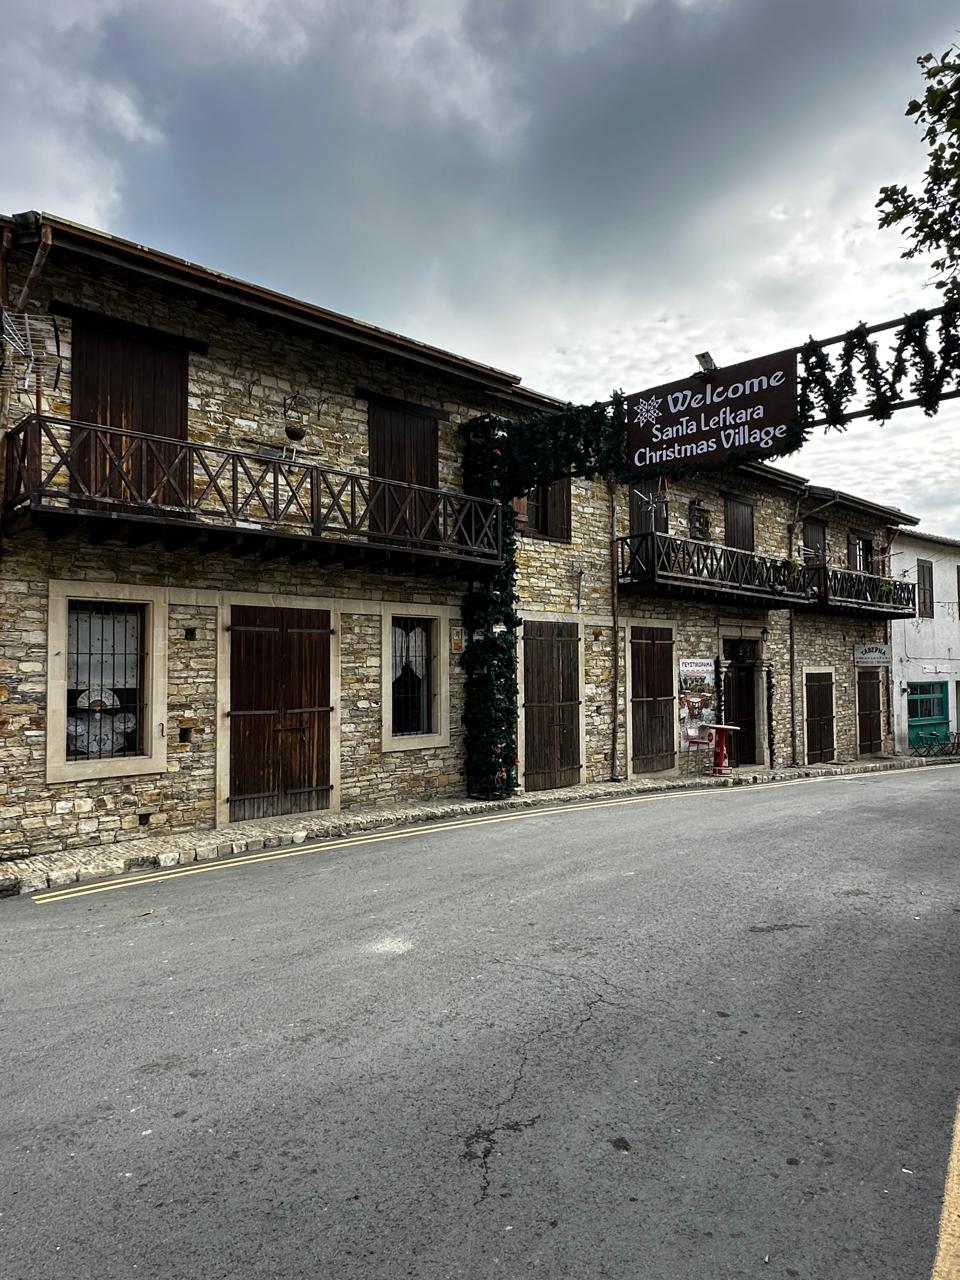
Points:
(28, 875)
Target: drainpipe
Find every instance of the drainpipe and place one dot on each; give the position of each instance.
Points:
(888, 630)
(615, 611)
(793, 686)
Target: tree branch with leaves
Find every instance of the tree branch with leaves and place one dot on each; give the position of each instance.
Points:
(930, 219)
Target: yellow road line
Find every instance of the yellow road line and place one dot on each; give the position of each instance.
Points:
(374, 837)
(946, 1265)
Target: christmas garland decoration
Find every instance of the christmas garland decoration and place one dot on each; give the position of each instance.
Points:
(505, 458)
(831, 390)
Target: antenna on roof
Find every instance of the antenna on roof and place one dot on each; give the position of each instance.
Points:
(29, 353)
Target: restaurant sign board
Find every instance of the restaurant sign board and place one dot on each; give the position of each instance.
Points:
(872, 655)
(746, 412)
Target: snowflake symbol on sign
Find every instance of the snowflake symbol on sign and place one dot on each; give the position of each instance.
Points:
(646, 410)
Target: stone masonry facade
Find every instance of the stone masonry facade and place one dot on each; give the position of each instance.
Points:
(236, 391)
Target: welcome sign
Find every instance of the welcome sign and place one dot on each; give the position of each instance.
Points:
(742, 413)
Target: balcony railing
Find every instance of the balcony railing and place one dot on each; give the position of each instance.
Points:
(848, 590)
(660, 562)
(57, 466)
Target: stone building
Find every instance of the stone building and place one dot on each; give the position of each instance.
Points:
(926, 648)
(235, 543)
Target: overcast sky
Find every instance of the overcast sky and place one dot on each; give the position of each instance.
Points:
(585, 192)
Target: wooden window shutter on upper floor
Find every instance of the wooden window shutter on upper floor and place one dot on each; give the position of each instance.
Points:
(558, 509)
(738, 523)
(925, 588)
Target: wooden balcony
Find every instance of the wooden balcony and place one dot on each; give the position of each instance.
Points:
(141, 489)
(660, 564)
(847, 591)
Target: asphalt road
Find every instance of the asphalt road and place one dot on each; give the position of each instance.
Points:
(694, 1036)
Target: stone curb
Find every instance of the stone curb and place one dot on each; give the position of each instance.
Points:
(55, 871)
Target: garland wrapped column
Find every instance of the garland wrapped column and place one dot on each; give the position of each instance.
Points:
(502, 460)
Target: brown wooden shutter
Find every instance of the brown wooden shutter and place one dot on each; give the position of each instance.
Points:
(925, 588)
(738, 523)
(551, 703)
(653, 708)
(558, 509)
(869, 727)
(131, 382)
(815, 540)
(403, 446)
(646, 514)
(821, 747)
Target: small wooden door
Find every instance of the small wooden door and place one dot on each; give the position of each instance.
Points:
(821, 746)
(814, 540)
(132, 382)
(652, 702)
(740, 708)
(738, 523)
(403, 447)
(279, 711)
(869, 726)
(648, 511)
(551, 704)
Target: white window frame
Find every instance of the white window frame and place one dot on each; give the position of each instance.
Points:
(440, 620)
(154, 757)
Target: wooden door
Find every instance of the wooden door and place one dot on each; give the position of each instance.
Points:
(652, 703)
(740, 708)
(279, 711)
(132, 382)
(648, 511)
(738, 523)
(869, 726)
(821, 746)
(814, 540)
(403, 448)
(551, 704)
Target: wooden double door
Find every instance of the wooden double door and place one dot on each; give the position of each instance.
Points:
(551, 704)
(652, 700)
(279, 711)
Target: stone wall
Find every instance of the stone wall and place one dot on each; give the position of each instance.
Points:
(236, 393)
(41, 817)
(236, 390)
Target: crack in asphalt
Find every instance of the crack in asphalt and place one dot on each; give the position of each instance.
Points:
(481, 1143)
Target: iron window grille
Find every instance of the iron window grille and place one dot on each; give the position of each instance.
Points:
(412, 676)
(106, 695)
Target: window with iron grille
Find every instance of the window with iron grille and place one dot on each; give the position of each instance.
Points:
(105, 680)
(925, 588)
(412, 673)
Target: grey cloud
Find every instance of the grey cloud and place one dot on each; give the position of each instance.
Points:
(585, 192)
